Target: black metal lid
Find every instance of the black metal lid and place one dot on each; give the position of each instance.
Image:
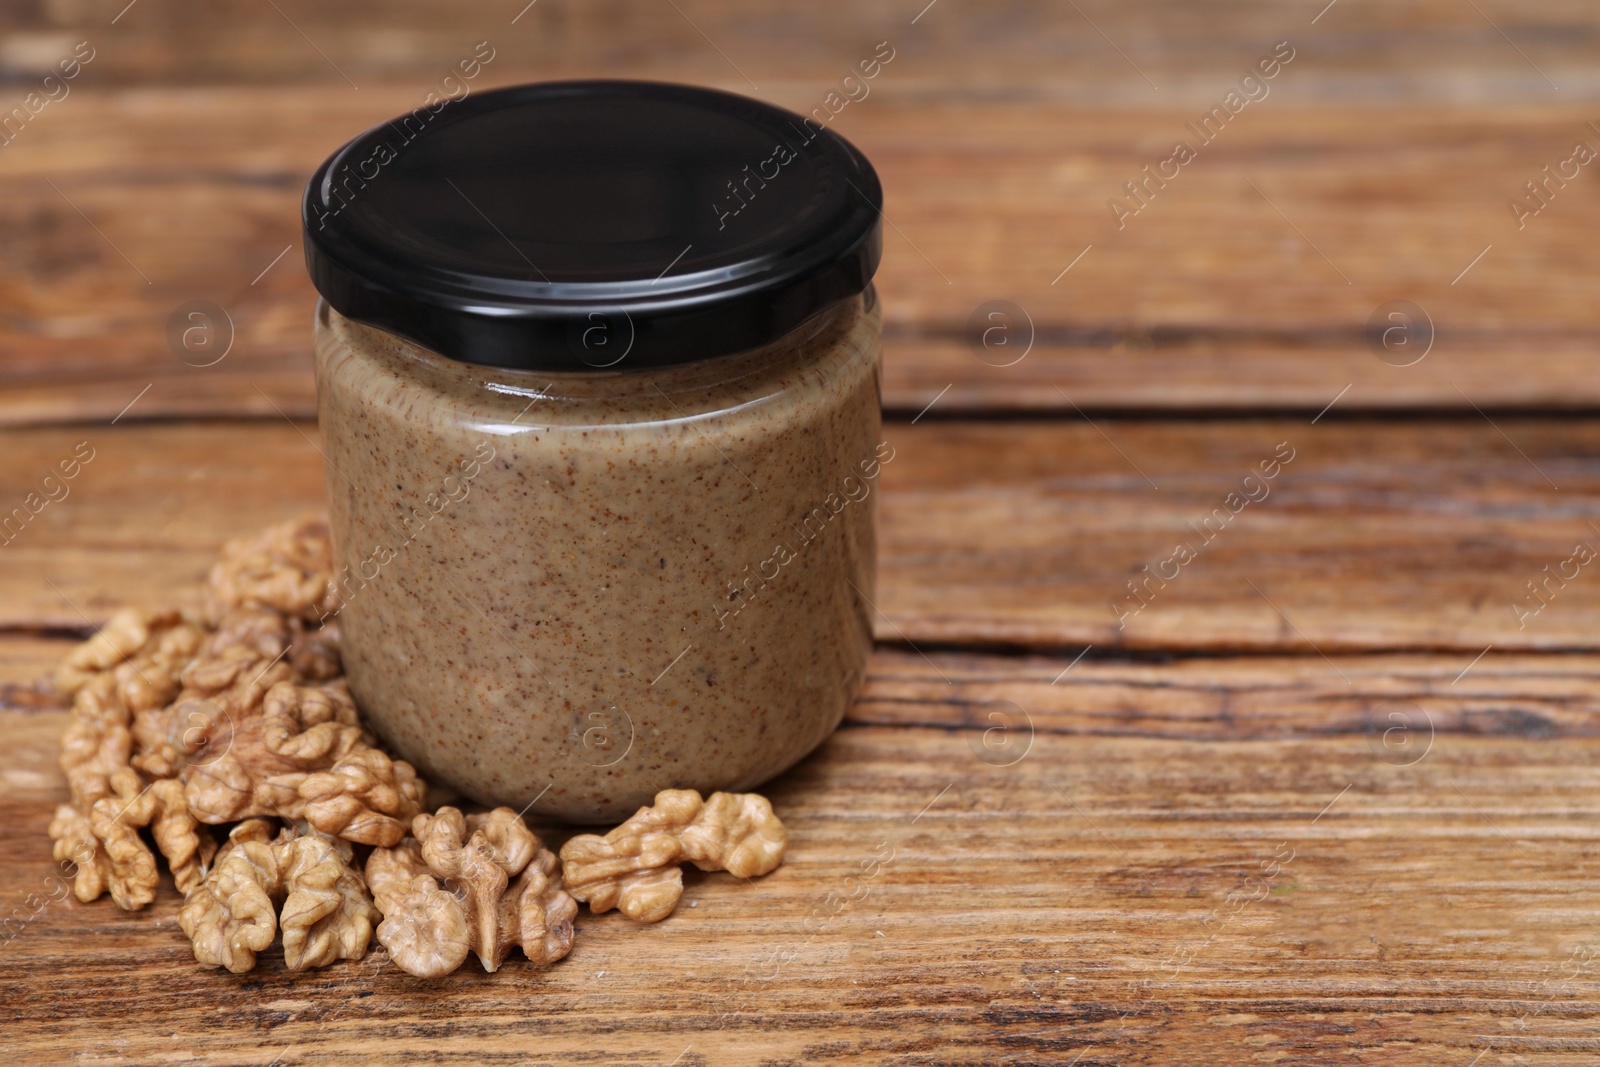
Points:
(590, 224)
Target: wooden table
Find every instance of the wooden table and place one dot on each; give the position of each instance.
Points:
(1325, 794)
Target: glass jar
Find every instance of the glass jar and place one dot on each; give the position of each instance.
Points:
(603, 525)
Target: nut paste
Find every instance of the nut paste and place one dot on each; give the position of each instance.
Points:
(573, 590)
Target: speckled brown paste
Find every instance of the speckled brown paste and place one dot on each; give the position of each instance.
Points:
(574, 590)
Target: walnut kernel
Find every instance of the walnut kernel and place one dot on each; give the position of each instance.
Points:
(116, 820)
(288, 568)
(305, 754)
(449, 891)
(635, 867)
(325, 914)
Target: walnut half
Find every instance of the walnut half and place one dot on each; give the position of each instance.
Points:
(144, 650)
(325, 915)
(473, 883)
(304, 755)
(635, 867)
(116, 821)
(131, 666)
(288, 568)
(105, 847)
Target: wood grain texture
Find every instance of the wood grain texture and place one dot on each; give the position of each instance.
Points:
(1202, 698)
(1102, 897)
(1103, 52)
(1329, 797)
(1215, 297)
(1376, 536)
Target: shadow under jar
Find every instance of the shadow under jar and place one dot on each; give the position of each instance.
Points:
(597, 379)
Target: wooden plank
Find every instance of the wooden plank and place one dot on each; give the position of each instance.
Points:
(1207, 300)
(1207, 699)
(1104, 892)
(1135, 370)
(1378, 535)
(1198, 698)
(1375, 536)
(1102, 51)
(27, 663)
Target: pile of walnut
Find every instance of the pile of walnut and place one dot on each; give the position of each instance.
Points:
(240, 715)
